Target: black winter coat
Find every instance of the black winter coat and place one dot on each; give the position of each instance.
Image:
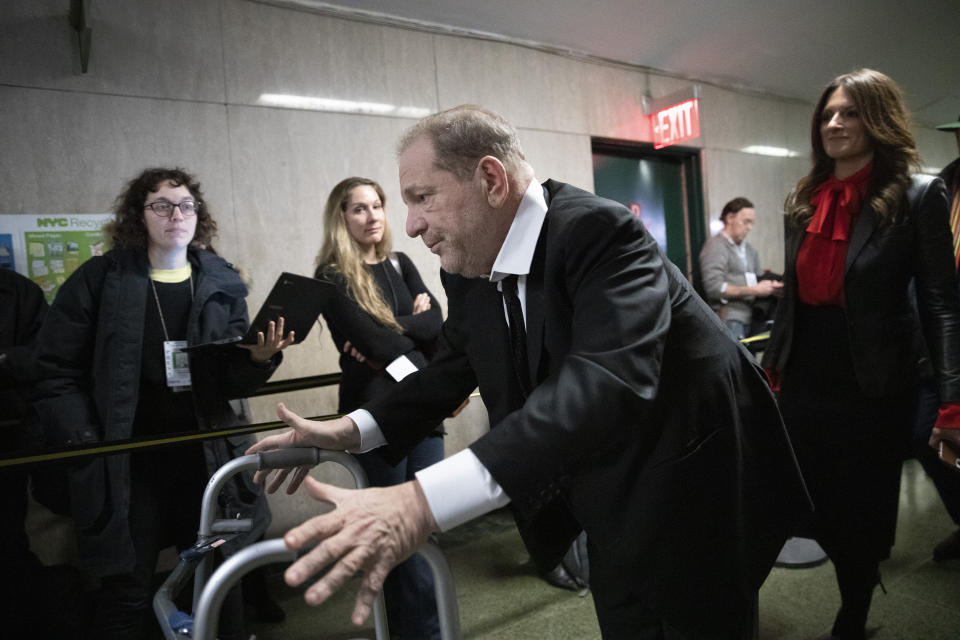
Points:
(22, 307)
(89, 353)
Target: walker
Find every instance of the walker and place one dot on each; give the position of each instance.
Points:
(210, 588)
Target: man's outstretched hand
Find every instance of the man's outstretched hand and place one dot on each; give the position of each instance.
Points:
(338, 434)
(369, 530)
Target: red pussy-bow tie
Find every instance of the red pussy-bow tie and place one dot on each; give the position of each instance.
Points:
(836, 202)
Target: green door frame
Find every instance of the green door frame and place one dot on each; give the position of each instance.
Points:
(695, 226)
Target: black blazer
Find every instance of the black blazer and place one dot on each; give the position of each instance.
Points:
(648, 426)
(881, 262)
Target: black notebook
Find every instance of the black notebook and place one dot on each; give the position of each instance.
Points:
(297, 298)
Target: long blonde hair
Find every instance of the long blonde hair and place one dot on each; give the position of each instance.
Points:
(341, 253)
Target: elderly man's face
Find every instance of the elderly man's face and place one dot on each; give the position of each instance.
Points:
(449, 215)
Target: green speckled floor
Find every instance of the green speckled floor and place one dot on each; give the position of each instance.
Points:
(499, 598)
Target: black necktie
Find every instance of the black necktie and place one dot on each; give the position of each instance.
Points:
(518, 332)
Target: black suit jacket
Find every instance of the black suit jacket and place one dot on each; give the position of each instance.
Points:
(881, 262)
(648, 426)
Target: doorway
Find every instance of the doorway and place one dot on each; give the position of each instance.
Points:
(663, 188)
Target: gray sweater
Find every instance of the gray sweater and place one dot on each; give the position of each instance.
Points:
(719, 263)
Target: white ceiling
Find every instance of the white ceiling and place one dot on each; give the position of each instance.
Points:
(786, 47)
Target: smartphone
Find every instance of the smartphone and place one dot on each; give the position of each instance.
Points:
(949, 454)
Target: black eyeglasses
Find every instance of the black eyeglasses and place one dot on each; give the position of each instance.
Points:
(164, 208)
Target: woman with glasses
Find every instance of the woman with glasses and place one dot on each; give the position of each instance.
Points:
(108, 351)
(859, 229)
(382, 315)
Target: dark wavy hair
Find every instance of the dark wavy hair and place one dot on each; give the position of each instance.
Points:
(735, 206)
(885, 118)
(127, 230)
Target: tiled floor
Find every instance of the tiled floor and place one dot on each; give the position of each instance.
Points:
(499, 598)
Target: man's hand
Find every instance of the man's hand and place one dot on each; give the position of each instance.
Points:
(766, 288)
(339, 434)
(369, 530)
(762, 289)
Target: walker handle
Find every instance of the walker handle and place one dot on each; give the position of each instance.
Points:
(287, 458)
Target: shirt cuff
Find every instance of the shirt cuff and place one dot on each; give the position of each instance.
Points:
(370, 435)
(460, 489)
(949, 416)
(723, 290)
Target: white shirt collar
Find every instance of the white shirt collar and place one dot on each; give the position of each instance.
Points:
(729, 239)
(516, 254)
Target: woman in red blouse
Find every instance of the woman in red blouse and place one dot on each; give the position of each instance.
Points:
(842, 350)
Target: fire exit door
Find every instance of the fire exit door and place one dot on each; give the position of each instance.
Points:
(662, 188)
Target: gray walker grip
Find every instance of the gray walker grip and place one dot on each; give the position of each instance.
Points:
(285, 458)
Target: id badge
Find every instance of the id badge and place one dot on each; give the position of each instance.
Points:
(751, 278)
(177, 364)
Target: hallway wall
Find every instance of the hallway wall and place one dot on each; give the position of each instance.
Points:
(183, 82)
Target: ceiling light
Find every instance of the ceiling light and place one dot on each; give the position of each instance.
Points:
(777, 152)
(310, 103)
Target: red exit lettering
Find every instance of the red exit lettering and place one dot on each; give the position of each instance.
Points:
(675, 124)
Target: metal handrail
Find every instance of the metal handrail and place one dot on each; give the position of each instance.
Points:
(266, 389)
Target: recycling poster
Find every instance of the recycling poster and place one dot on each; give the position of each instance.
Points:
(48, 248)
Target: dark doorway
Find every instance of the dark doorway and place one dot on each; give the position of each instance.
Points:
(663, 188)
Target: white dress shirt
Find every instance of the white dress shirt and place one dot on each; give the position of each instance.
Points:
(460, 488)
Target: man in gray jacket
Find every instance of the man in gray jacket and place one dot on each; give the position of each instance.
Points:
(729, 267)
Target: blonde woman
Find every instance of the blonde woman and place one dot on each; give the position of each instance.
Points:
(382, 315)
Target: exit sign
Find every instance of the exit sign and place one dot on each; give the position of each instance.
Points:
(676, 123)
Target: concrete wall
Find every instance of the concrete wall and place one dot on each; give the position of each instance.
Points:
(180, 82)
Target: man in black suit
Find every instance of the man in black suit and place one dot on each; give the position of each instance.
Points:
(618, 403)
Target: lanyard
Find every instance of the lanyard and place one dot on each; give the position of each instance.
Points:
(175, 362)
(163, 323)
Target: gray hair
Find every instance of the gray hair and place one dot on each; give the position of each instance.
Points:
(464, 134)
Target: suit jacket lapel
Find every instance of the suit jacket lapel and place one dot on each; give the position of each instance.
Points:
(535, 296)
(535, 311)
(864, 227)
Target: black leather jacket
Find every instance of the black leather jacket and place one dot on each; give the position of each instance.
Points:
(881, 261)
(951, 176)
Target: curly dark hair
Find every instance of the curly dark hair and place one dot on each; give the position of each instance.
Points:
(127, 230)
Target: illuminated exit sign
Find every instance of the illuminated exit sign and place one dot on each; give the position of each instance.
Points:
(674, 118)
(675, 124)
